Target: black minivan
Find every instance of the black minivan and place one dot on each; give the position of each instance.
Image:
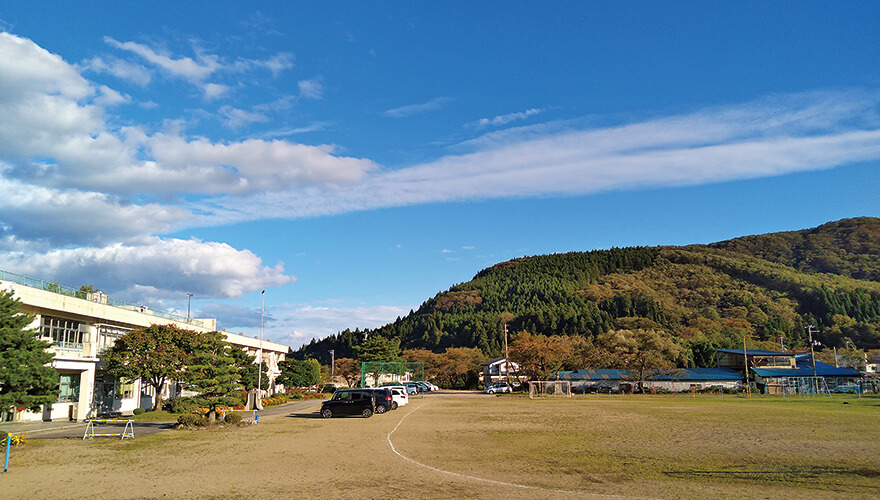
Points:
(350, 402)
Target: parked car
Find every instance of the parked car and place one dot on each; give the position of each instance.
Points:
(411, 387)
(350, 402)
(498, 387)
(423, 386)
(384, 399)
(399, 396)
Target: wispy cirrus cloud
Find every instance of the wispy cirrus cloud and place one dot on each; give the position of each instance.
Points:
(196, 70)
(304, 322)
(507, 118)
(418, 109)
(135, 73)
(767, 137)
(311, 89)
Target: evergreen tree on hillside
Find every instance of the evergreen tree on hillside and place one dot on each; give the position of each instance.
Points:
(764, 288)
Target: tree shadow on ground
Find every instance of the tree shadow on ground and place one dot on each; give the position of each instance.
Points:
(304, 415)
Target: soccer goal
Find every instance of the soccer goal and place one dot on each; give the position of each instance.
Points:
(549, 388)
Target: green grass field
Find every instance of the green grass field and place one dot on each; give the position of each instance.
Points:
(670, 447)
(475, 446)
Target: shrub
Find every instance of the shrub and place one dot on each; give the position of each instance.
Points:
(139, 411)
(182, 405)
(232, 418)
(190, 420)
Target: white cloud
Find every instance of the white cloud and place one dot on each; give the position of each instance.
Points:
(152, 268)
(184, 67)
(121, 69)
(306, 322)
(311, 89)
(237, 118)
(417, 109)
(214, 90)
(768, 137)
(54, 217)
(505, 119)
(110, 97)
(196, 71)
(52, 135)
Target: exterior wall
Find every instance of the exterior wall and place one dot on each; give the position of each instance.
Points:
(496, 371)
(94, 313)
(604, 385)
(273, 354)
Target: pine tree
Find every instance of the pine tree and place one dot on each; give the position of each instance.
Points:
(212, 372)
(25, 379)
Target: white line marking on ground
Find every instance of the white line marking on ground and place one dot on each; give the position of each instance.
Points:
(491, 481)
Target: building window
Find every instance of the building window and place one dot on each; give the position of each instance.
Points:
(124, 388)
(107, 335)
(68, 388)
(64, 333)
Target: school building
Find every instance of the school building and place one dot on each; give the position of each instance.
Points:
(81, 326)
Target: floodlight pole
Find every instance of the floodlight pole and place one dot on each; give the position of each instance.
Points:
(260, 370)
(260, 359)
(332, 363)
(189, 297)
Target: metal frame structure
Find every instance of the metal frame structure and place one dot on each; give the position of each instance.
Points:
(399, 371)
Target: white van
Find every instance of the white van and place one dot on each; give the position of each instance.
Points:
(399, 396)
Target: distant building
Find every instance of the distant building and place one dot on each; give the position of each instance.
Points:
(81, 326)
(771, 372)
(786, 372)
(497, 370)
(674, 380)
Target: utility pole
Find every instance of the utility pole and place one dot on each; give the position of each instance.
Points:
(813, 356)
(189, 297)
(332, 362)
(506, 358)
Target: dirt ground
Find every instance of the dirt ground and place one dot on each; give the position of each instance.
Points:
(470, 446)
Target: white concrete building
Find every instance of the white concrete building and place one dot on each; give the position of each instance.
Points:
(81, 326)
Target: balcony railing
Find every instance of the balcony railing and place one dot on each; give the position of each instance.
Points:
(68, 346)
(92, 297)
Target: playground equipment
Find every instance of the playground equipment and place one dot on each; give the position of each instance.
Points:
(127, 431)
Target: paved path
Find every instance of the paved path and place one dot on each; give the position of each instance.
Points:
(69, 430)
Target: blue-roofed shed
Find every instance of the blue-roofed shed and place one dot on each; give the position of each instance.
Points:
(676, 380)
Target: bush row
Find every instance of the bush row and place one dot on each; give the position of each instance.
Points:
(197, 420)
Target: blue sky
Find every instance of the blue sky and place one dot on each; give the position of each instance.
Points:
(354, 158)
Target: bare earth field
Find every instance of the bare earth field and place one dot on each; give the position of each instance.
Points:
(470, 446)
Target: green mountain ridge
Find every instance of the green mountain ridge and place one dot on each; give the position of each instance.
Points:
(763, 288)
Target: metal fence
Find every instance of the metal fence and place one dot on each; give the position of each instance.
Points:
(101, 298)
(390, 372)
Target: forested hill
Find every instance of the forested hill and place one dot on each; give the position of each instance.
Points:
(764, 288)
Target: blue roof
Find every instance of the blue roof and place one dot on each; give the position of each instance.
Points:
(674, 375)
(756, 352)
(805, 369)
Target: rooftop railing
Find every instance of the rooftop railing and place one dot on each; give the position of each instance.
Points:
(98, 297)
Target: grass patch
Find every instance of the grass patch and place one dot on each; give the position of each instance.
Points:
(819, 444)
(154, 416)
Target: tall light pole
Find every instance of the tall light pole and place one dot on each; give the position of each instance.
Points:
(260, 365)
(189, 297)
(332, 363)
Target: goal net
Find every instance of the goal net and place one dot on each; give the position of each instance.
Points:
(549, 388)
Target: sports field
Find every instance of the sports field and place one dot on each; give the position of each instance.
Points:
(474, 446)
